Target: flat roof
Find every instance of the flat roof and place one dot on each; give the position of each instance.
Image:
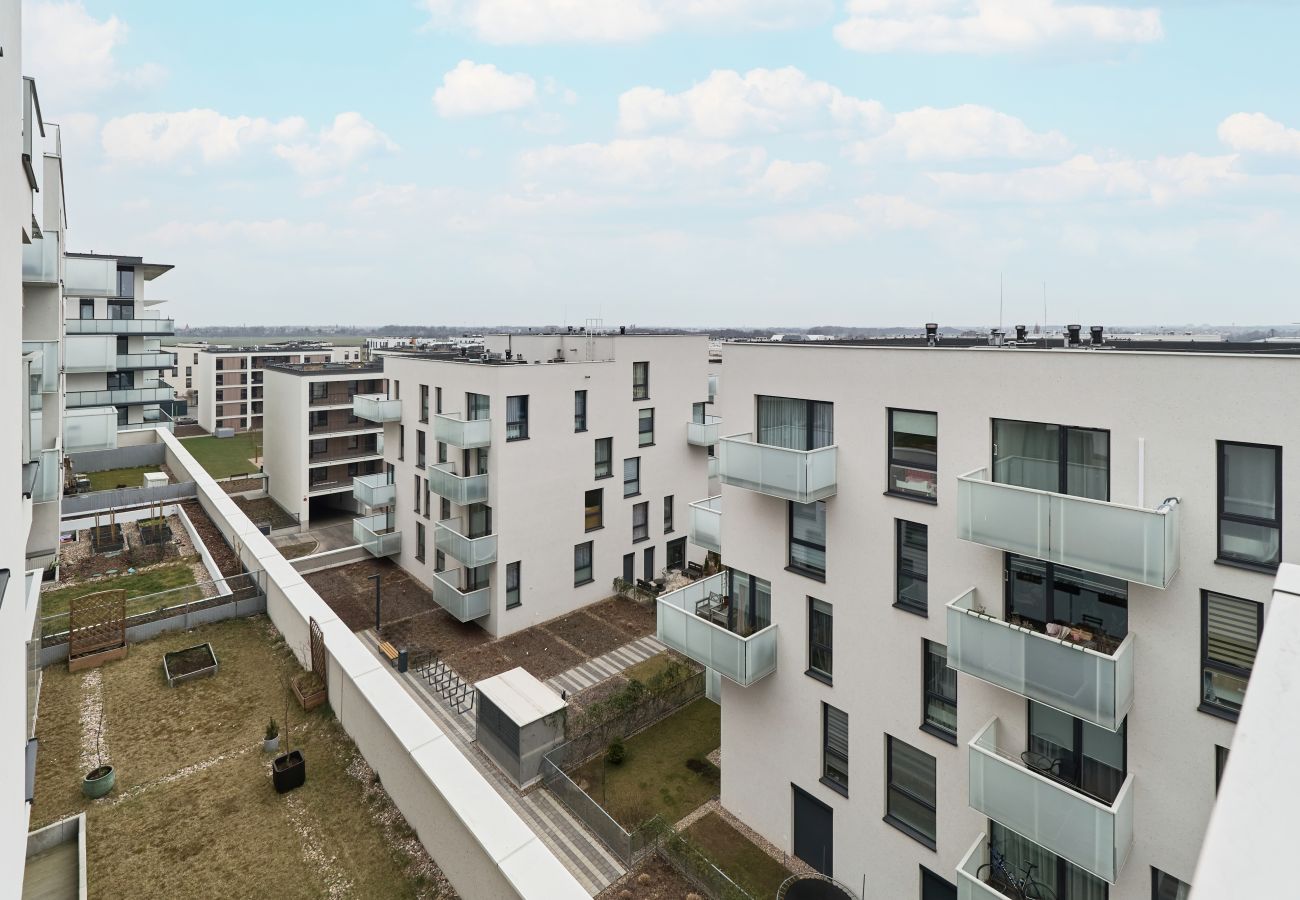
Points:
(519, 695)
(285, 347)
(1056, 342)
(330, 368)
(151, 270)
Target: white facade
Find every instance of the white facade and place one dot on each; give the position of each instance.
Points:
(1162, 444)
(515, 504)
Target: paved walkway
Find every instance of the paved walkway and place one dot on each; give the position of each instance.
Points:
(596, 670)
(581, 853)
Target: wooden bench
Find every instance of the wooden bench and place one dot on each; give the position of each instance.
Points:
(389, 651)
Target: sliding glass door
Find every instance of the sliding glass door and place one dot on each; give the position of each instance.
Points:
(1057, 458)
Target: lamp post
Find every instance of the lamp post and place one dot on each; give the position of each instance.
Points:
(377, 578)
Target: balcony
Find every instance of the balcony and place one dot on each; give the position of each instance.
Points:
(89, 278)
(376, 535)
(374, 490)
(464, 606)
(91, 353)
(146, 360)
(684, 624)
(1086, 683)
(153, 418)
(120, 326)
(469, 552)
(457, 432)
(1090, 833)
(459, 489)
(45, 363)
(41, 260)
(333, 398)
(330, 486)
(713, 467)
(363, 451)
(1128, 542)
(92, 428)
(704, 434)
(799, 475)
(705, 524)
(376, 408)
(340, 426)
(152, 393)
(49, 478)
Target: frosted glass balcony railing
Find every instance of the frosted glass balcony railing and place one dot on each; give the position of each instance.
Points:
(49, 478)
(704, 434)
(743, 660)
(158, 360)
(120, 326)
(92, 428)
(799, 475)
(461, 490)
(1082, 682)
(153, 418)
(90, 353)
(374, 490)
(465, 434)
(1093, 835)
(153, 393)
(714, 468)
(376, 535)
(376, 408)
(41, 260)
(713, 387)
(969, 885)
(706, 524)
(464, 606)
(364, 450)
(468, 551)
(1127, 542)
(89, 277)
(45, 363)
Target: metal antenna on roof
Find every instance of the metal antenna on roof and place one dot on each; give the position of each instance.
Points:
(1000, 280)
(1044, 307)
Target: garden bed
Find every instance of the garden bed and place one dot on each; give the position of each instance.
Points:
(189, 663)
(741, 860)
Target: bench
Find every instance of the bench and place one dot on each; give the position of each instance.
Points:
(648, 586)
(388, 650)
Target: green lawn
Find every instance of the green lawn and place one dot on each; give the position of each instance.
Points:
(223, 457)
(739, 859)
(137, 587)
(111, 478)
(648, 668)
(653, 779)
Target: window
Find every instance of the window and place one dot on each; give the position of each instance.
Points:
(912, 567)
(444, 508)
(808, 538)
(640, 381)
(594, 516)
(477, 407)
(668, 516)
(795, 424)
(632, 476)
(1230, 629)
(397, 389)
(1056, 458)
(419, 448)
(401, 442)
(582, 564)
(935, 888)
(579, 411)
(439, 561)
(419, 541)
(1220, 760)
(604, 457)
(913, 453)
(1077, 753)
(437, 401)
(424, 403)
(87, 311)
(517, 418)
(1167, 887)
(641, 522)
(426, 498)
(645, 427)
(819, 640)
(1040, 593)
(416, 493)
(513, 597)
(910, 790)
(940, 703)
(1065, 881)
(835, 749)
(126, 282)
(1250, 504)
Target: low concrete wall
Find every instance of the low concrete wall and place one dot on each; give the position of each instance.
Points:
(121, 458)
(330, 559)
(480, 843)
(65, 831)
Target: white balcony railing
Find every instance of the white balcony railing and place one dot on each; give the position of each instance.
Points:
(464, 606)
(91, 428)
(49, 478)
(706, 524)
(742, 659)
(376, 534)
(704, 434)
(153, 393)
(1094, 835)
(461, 490)
(374, 490)
(469, 552)
(45, 362)
(90, 353)
(41, 260)
(89, 277)
(120, 326)
(969, 884)
(465, 434)
(376, 408)
(157, 360)
(714, 468)
(1127, 542)
(799, 475)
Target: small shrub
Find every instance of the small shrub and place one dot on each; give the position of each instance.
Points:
(615, 753)
(272, 730)
(705, 769)
(643, 878)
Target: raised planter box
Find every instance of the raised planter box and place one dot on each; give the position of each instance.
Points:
(309, 692)
(288, 771)
(192, 662)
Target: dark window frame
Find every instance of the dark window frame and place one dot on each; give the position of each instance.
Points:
(590, 570)
(641, 530)
(1241, 519)
(933, 804)
(891, 460)
(1156, 875)
(512, 573)
(636, 482)
(791, 541)
(1221, 754)
(520, 422)
(827, 675)
(1062, 453)
(1229, 669)
(641, 432)
(908, 606)
(599, 507)
(809, 442)
(579, 411)
(928, 695)
(641, 380)
(670, 514)
(424, 403)
(609, 458)
(419, 541)
(421, 449)
(831, 755)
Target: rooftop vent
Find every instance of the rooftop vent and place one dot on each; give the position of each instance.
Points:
(1096, 331)
(997, 338)
(932, 333)
(622, 329)
(1022, 333)
(1072, 335)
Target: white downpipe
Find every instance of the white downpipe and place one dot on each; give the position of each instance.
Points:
(1142, 471)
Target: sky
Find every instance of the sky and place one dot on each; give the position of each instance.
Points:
(685, 162)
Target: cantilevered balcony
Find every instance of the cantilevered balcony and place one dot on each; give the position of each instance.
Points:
(377, 408)
(90, 353)
(377, 535)
(458, 489)
(704, 433)
(1127, 542)
(154, 392)
(86, 277)
(374, 490)
(468, 551)
(463, 605)
(1089, 678)
(41, 260)
(457, 432)
(694, 621)
(91, 428)
(714, 468)
(705, 524)
(1092, 834)
(155, 360)
(799, 475)
(120, 326)
(49, 477)
(45, 363)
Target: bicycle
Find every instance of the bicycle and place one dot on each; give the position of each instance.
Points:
(1016, 887)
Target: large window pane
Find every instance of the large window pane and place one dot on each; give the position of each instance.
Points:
(1250, 516)
(912, 567)
(808, 537)
(910, 789)
(913, 452)
(835, 747)
(820, 636)
(795, 424)
(1230, 637)
(1027, 454)
(940, 690)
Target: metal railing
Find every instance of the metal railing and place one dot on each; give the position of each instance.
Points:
(377, 535)
(374, 490)
(463, 605)
(153, 392)
(466, 434)
(377, 407)
(461, 490)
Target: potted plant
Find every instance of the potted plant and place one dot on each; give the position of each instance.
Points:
(310, 690)
(288, 770)
(99, 780)
(272, 741)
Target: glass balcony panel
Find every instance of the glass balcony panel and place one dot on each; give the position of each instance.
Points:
(466, 434)
(89, 277)
(1093, 835)
(1085, 683)
(120, 326)
(744, 660)
(154, 392)
(374, 490)
(145, 360)
(464, 606)
(799, 475)
(706, 524)
(90, 429)
(49, 478)
(46, 363)
(462, 491)
(375, 533)
(376, 408)
(714, 468)
(969, 885)
(41, 260)
(469, 552)
(704, 434)
(90, 353)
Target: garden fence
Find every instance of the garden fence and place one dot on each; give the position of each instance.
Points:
(620, 842)
(693, 865)
(78, 504)
(652, 707)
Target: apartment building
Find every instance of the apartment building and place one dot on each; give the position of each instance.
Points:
(977, 596)
(549, 461)
(224, 384)
(318, 445)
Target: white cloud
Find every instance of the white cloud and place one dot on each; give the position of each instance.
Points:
(73, 55)
(611, 21)
(727, 104)
(783, 178)
(961, 132)
(887, 212)
(990, 26)
(1257, 133)
(349, 139)
(481, 89)
(645, 164)
(810, 226)
(259, 232)
(870, 214)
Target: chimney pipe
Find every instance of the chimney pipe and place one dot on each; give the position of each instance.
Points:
(1072, 338)
(932, 333)
(1096, 331)
(1022, 331)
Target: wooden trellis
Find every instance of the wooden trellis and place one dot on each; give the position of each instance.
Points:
(317, 650)
(96, 629)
